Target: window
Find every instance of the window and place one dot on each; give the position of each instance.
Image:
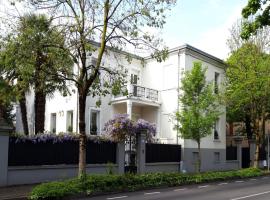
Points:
(216, 130)
(195, 156)
(93, 63)
(70, 121)
(216, 157)
(216, 82)
(94, 122)
(134, 79)
(53, 122)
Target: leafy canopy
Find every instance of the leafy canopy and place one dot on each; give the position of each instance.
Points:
(199, 110)
(248, 79)
(261, 10)
(30, 56)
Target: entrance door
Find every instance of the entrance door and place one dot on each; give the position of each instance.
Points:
(245, 157)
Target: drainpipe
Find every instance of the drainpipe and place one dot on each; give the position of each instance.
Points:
(178, 85)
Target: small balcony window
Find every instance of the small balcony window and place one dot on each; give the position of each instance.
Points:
(134, 79)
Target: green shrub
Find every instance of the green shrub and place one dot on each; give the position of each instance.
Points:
(129, 182)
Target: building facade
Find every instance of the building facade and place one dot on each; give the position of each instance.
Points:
(152, 95)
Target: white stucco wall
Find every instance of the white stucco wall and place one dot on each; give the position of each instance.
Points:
(164, 77)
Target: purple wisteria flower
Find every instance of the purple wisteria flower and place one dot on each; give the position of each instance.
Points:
(121, 127)
(52, 137)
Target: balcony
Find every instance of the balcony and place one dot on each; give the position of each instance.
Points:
(144, 93)
(140, 93)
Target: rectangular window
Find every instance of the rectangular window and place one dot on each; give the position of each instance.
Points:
(195, 156)
(91, 65)
(70, 121)
(94, 122)
(134, 79)
(216, 82)
(216, 157)
(216, 130)
(53, 122)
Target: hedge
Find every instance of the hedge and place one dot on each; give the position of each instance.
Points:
(98, 184)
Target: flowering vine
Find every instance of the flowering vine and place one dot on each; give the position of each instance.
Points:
(121, 127)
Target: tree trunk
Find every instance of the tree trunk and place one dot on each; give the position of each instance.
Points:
(40, 103)
(256, 157)
(263, 141)
(248, 126)
(199, 157)
(22, 103)
(82, 146)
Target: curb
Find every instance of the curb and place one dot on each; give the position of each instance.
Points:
(14, 198)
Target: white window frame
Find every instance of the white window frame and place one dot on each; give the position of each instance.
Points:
(72, 122)
(51, 122)
(98, 120)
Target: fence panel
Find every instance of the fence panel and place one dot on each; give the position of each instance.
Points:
(231, 153)
(49, 153)
(162, 153)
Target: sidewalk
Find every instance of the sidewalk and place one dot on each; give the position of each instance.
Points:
(15, 192)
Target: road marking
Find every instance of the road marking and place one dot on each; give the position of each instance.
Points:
(203, 186)
(253, 179)
(149, 193)
(239, 181)
(181, 189)
(252, 195)
(265, 177)
(120, 197)
(222, 183)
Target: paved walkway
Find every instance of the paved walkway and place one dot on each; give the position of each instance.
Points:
(15, 192)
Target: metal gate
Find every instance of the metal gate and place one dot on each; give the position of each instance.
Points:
(130, 154)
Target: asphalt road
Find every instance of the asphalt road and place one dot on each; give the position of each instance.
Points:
(247, 189)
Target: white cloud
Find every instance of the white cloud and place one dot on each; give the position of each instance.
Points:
(214, 40)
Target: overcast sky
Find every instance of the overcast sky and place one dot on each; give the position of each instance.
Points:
(203, 24)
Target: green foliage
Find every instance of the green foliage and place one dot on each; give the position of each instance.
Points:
(35, 55)
(260, 9)
(8, 113)
(248, 79)
(247, 87)
(199, 105)
(95, 184)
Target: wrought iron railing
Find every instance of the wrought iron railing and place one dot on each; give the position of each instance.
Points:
(143, 92)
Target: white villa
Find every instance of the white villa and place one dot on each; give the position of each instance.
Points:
(153, 96)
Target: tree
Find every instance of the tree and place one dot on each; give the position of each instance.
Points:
(12, 87)
(30, 58)
(200, 110)
(260, 9)
(6, 107)
(247, 86)
(262, 40)
(119, 24)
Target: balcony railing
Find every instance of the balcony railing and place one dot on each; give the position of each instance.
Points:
(143, 92)
(140, 92)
